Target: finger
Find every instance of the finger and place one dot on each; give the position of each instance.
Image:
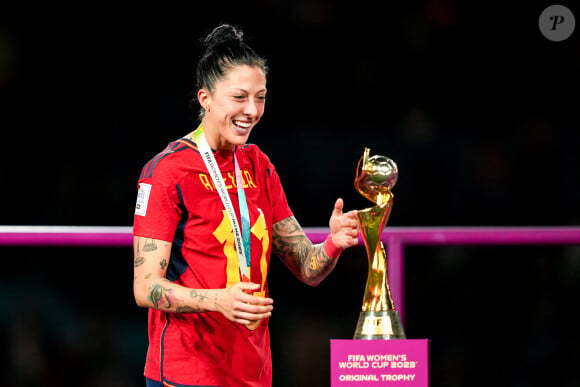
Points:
(351, 232)
(350, 239)
(248, 287)
(254, 313)
(349, 222)
(256, 300)
(353, 214)
(247, 295)
(248, 318)
(338, 207)
(256, 309)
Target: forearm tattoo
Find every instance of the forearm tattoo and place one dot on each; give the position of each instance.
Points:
(199, 296)
(186, 309)
(163, 299)
(159, 296)
(304, 259)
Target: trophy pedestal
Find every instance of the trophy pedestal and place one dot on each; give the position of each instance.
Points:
(383, 325)
(393, 363)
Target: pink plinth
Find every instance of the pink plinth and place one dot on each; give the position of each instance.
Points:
(401, 362)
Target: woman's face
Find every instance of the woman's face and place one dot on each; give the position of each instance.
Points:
(234, 108)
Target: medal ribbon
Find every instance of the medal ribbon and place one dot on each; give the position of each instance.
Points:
(241, 237)
(244, 213)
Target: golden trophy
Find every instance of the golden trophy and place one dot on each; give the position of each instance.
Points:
(375, 177)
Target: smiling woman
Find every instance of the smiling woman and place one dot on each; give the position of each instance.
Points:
(210, 209)
(234, 108)
(231, 82)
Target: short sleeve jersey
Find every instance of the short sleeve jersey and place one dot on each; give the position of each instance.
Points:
(178, 202)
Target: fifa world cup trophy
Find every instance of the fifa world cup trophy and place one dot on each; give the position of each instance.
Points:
(375, 177)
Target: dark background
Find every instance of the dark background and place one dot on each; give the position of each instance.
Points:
(474, 104)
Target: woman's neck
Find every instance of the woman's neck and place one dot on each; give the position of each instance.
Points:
(213, 139)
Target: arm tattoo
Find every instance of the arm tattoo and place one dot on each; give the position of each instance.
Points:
(149, 245)
(201, 297)
(307, 261)
(139, 260)
(186, 309)
(159, 296)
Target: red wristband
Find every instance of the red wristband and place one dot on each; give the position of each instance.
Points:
(330, 248)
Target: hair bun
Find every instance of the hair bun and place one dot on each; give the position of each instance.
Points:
(223, 34)
(224, 49)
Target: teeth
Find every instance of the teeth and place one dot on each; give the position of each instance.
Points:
(241, 124)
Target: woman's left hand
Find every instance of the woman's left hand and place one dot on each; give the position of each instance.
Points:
(343, 226)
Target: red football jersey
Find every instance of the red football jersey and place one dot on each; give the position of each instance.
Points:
(177, 202)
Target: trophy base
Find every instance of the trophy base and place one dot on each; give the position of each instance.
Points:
(384, 325)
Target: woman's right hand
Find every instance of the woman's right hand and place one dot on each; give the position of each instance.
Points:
(238, 304)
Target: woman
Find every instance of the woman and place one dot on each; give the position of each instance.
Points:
(209, 210)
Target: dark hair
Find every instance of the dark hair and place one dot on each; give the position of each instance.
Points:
(224, 49)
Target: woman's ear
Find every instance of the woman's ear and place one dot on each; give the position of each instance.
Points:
(204, 98)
